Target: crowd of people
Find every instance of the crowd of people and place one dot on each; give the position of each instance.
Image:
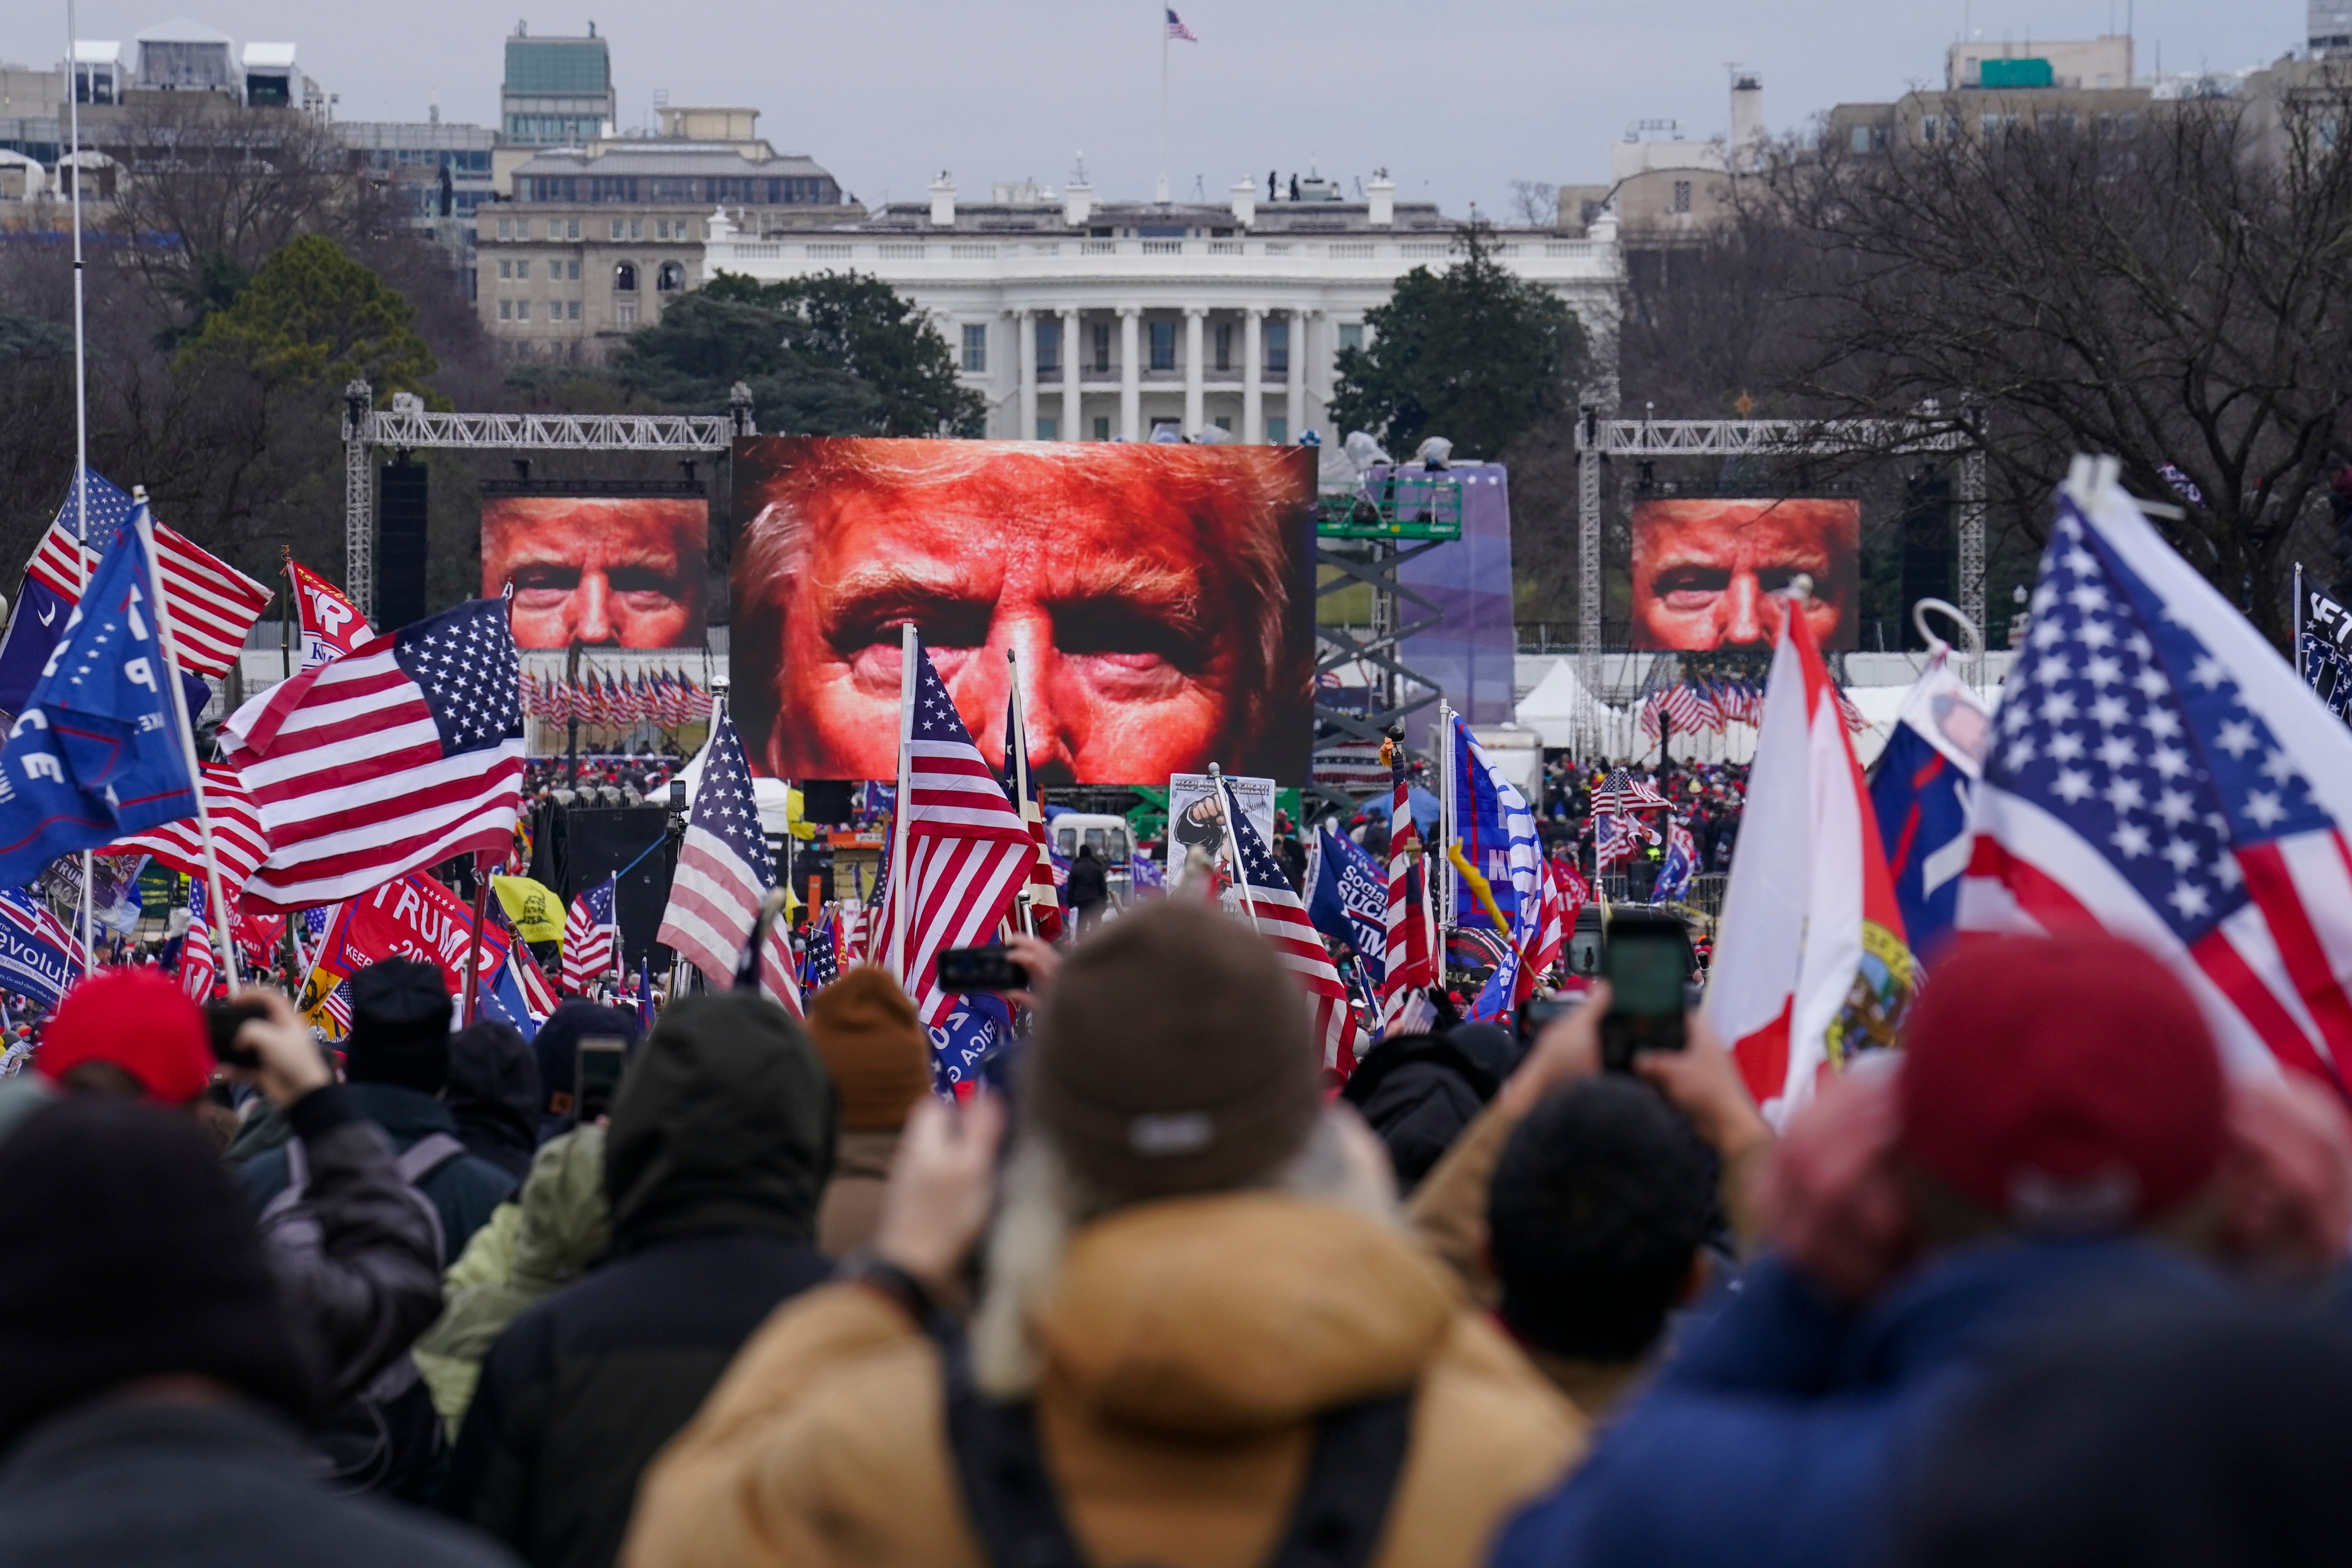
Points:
(2051, 1284)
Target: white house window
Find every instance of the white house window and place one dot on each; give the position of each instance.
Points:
(1102, 352)
(975, 347)
(1277, 431)
(1049, 351)
(670, 279)
(1049, 427)
(1352, 335)
(1277, 351)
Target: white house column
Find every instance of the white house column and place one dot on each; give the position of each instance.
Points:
(1072, 430)
(1025, 326)
(1130, 373)
(1194, 410)
(1253, 368)
(1294, 387)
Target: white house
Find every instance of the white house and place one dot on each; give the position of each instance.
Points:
(1086, 321)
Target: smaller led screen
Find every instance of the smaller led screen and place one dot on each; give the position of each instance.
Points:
(1702, 568)
(606, 570)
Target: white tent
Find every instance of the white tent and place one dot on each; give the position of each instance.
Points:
(1559, 702)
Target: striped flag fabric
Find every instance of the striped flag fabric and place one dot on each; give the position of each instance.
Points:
(199, 964)
(239, 839)
(724, 870)
(1622, 791)
(1272, 905)
(402, 754)
(968, 853)
(538, 995)
(213, 603)
(1710, 710)
(589, 932)
(1040, 895)
(1178, 30)
(2158, 768)
(1411, 966)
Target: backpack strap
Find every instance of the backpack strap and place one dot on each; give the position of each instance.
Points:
(1337, 1520)
(298, 1170)
(427, 1155)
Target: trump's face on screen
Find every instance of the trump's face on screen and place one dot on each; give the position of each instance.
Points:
(1704, 569)
(624, 572)
(1145, 591)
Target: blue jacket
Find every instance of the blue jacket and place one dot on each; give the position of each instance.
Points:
(1783, 1434)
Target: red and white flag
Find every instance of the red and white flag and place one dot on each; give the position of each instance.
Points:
(199, 964)
(213, 603)
(1271, 904)
(239, 839)
(968, 853)
(1411, 964)
(332, 624)
(402, 754)
(1810, 965)
(589, 934)
(724, 871)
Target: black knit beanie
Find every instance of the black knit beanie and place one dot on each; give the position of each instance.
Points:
(129, 1255)
(400, 1027)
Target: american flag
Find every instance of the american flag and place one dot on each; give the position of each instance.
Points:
(213, 603)
(538, 995)
(1622, 791)
(724, 870)
(239, 840)
(822, 967)
(1272, 904)
(1710, 710)
(198, 963)
(1040, 894)
(1616, 836)
(400, 754)
(1411, 966)
(1177, 29)
(2157, 769)
(588, 936)
(337, 1006)
(967, 850)
(1680, 704)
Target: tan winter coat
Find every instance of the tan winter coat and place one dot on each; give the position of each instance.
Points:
(1188, 1345)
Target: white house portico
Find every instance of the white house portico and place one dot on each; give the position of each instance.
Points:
(1087, 322)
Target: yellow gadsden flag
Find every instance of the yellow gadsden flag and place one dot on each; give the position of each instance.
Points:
(536, 911)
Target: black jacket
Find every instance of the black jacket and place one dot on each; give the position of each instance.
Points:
(464, 1190)
(720, 1137)
(374, 1283)
(1418, 1092)
(166, 1484)
(1089, 885)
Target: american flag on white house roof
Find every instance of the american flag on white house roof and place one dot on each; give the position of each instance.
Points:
(1177, 29)
(1273, 904)
(968, 853)
(724, 870)
(404, 752)
(588, 936)
(2158, 768)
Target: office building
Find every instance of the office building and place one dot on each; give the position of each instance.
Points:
(1087, 320)
(596, 238)
(558, 91)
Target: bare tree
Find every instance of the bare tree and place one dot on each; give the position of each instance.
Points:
(2170, 287)
(1534, 203)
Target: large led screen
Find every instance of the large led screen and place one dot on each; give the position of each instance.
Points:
(1159, 599)
(608, 571)
(1702, 569)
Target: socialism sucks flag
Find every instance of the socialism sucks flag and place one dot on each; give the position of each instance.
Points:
(1812, 966)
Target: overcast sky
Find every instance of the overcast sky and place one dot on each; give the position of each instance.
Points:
(1457, 99)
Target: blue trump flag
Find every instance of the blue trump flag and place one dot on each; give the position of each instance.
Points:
(41, 610)
(97, 752)
(978, 1022)
(38, 955)
(1348, 899)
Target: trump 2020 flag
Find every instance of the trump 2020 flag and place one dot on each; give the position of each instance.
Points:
(1919, 791)
(1810, 964)
(97, 753)
(2157, 769)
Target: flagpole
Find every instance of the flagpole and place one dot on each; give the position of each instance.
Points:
(1018, 743)
(145, 522)
(81, 410)
(1233, 840)
(909, 646)
(1161, 8)
(1448, 809)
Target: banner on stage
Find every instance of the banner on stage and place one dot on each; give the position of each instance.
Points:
(1161, 599)
(1702, 568)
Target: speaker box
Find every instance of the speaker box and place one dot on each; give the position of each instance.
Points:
(401, 511)
(580, 847)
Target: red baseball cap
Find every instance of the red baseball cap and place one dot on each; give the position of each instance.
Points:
(141, 1021)
(2069, 1082)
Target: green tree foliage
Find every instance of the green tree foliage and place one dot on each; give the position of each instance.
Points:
(1473, 354)
(313, 317)
(832, 355)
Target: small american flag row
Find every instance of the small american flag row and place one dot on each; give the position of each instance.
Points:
(589, 929)
(213, 603)
(1272, 904)
(724, 871)
(968, 853)
(403, 753)
(668, 700)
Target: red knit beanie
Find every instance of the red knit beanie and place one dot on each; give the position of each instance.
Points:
(138, 1020)
(2069, 1082)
